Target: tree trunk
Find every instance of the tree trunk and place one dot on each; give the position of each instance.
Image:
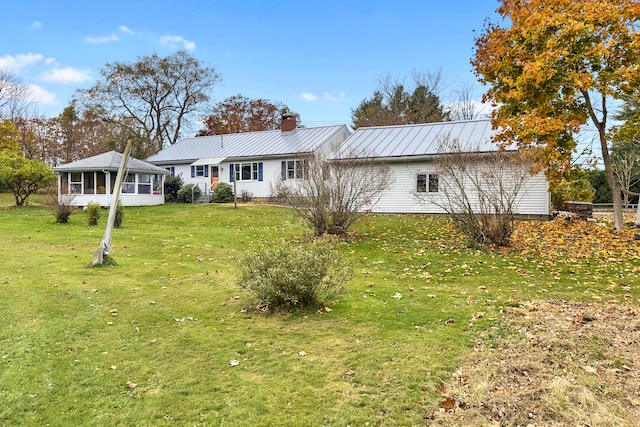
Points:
(616, 195)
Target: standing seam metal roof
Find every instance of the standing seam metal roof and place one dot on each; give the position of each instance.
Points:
(416, 140)
(247, 144)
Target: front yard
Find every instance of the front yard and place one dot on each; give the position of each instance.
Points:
(151, 341)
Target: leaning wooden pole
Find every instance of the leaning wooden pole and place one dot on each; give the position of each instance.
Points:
(105, 245)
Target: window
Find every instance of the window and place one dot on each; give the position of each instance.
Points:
(112, 181)
(426, 182)
(89, 183)
(76, 183)
(172, 170)
(199, 171)
(292, 169)
(421, 183)
(101, 180)
(433, 183)
(157, 184)
(64, 183)
(129, 184)
(246, 171)
(144, 183)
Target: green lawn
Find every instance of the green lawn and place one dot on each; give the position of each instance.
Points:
(169, 318)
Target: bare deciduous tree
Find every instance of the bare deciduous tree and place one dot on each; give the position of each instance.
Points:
(15, 96)
(463, 107)
(625, 163)
(158, 94)
(330, 195)
(478, 190)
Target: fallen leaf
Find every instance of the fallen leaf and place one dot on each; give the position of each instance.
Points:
(448, 404)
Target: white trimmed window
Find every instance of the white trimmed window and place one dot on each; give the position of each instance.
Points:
(427, 183)
(292, 169)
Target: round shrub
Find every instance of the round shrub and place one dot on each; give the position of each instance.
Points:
(281, 274)
(222, 193)
(188, 193)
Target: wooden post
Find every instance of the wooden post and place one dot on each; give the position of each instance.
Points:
(105, 245)
(235, 195)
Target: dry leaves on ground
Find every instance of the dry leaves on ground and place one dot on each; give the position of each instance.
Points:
(575, 241)
(550, 363)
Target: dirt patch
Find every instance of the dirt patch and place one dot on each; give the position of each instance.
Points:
(554, 363)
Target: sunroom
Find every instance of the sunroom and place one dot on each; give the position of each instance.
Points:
(91, 180)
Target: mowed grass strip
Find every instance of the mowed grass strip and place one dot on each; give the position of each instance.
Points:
(151, 340)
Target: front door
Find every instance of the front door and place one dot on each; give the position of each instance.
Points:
(215, 173)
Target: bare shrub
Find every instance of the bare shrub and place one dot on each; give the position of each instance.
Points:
(478, 190)
(246, 196)
(330, 195)
(61, 206)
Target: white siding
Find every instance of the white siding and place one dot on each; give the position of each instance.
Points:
(105, 199)
(270, 171)
(533, 199)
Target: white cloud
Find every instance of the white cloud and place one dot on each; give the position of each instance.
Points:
(16, 63)
(36, 24)
(308, 96)
(126, 30)
(330, 97)
(40, 95)
(102, 39)
(176, 41)
(66, 75)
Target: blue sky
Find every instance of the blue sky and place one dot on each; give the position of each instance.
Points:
(320, 58)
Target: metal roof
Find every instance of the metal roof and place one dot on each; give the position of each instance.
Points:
(405, 141)
(109, 161)
(248, 144)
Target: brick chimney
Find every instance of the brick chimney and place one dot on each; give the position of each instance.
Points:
(288, 122)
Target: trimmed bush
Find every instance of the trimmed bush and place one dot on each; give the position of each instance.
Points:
(172, 185)
(92, 210)
(188, 193)
(222, 193)
(281, 274)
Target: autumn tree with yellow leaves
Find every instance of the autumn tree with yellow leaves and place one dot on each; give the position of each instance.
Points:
(558, 67)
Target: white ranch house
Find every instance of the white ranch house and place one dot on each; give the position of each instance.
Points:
(251, 159)
(409, 152)
(92, 180)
